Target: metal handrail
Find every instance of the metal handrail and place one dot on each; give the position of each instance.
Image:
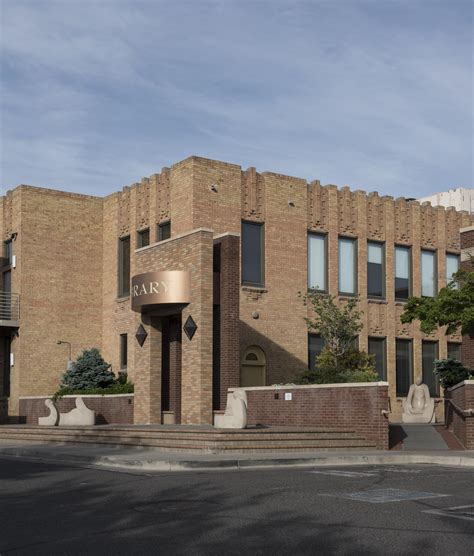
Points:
(9, 306)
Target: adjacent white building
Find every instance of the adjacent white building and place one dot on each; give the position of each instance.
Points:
(461, 198)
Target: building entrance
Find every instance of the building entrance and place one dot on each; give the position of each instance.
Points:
(171, 369)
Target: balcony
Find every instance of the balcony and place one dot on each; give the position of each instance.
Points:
(9, 309)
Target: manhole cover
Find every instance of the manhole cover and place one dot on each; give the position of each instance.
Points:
(177, 506)
(380, 496)
(459, 512)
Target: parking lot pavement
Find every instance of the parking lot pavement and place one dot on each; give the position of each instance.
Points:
(59, 509)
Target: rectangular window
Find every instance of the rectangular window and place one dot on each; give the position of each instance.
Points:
(404, 366)
(375, 269)
(7, 252)
(253, 254)
(124, 266)
(143, 237)
(315, 347)
(452, 266)
(317, 262)
(163, 231)
(429, 355)
(347, 266)
(123, 351)
(402, 272)
(378, 349)
(428, 273)
(454, 351)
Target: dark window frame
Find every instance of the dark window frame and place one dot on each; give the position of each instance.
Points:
(161, 235)
(326, 261)
(355, 240)
(383, 341)
(142, 234)
(261, 226)
(384, 271)
(314, 335)
(409, 342)
(458, 347)
(123, 285)
(123, 352)
(410, 271)
(435, 272)
(436, 392)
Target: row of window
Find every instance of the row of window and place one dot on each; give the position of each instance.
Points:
(376, 268)
(253, 265)
(163, 231)
(404, 360)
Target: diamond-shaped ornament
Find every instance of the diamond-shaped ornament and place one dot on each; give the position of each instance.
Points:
(141, 335)
(190, 327)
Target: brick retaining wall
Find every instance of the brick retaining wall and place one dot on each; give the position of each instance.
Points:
(356, 407)
(460, 425)
(117, 409)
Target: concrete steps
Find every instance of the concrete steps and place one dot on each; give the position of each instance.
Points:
(194, 439)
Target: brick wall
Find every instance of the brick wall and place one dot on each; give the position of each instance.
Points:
(116, 409)
(229, 364)
(462, 396)
(351, 407)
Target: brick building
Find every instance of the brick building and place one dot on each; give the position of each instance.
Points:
(241, 245)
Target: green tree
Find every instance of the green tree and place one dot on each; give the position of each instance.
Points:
(453, 307)
(340, 360)
(451, 372)
(89, 371)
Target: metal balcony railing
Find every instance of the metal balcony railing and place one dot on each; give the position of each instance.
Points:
(9, 306)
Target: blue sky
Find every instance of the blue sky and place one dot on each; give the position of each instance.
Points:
(377, 95)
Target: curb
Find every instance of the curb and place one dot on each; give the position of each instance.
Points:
(130, 464)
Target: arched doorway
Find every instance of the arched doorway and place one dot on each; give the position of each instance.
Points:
(252, 368)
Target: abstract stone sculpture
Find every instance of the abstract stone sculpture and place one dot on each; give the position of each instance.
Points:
(235, 416)
(52, 419)
(419, 406)
(81, 415)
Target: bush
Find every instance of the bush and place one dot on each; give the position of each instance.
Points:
(451, 372)
(127, 388)
(352, 366)
(89, 371)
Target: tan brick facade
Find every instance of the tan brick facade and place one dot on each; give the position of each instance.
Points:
(66, 274)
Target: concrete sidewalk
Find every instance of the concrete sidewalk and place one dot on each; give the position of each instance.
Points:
(155, 460)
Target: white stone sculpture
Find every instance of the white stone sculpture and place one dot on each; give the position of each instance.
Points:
(52, 419)
(235, 416)
(418, 407)
(81, 415)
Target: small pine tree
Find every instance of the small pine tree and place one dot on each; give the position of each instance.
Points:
(451, 372)
(89, 371)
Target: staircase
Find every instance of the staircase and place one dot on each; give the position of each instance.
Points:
(195, 439)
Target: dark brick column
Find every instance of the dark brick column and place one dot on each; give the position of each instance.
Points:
(467, 249)
(175, 367)
(229, 316)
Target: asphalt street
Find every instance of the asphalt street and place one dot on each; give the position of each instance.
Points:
(59, 509)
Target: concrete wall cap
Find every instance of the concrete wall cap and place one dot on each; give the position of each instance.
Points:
(459, 384)
(174, 238)
(315, 386)
(79, 396)
(468, 229)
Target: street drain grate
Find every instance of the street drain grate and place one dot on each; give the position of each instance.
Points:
(458, 512)
(383, 495)
(177, 507)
